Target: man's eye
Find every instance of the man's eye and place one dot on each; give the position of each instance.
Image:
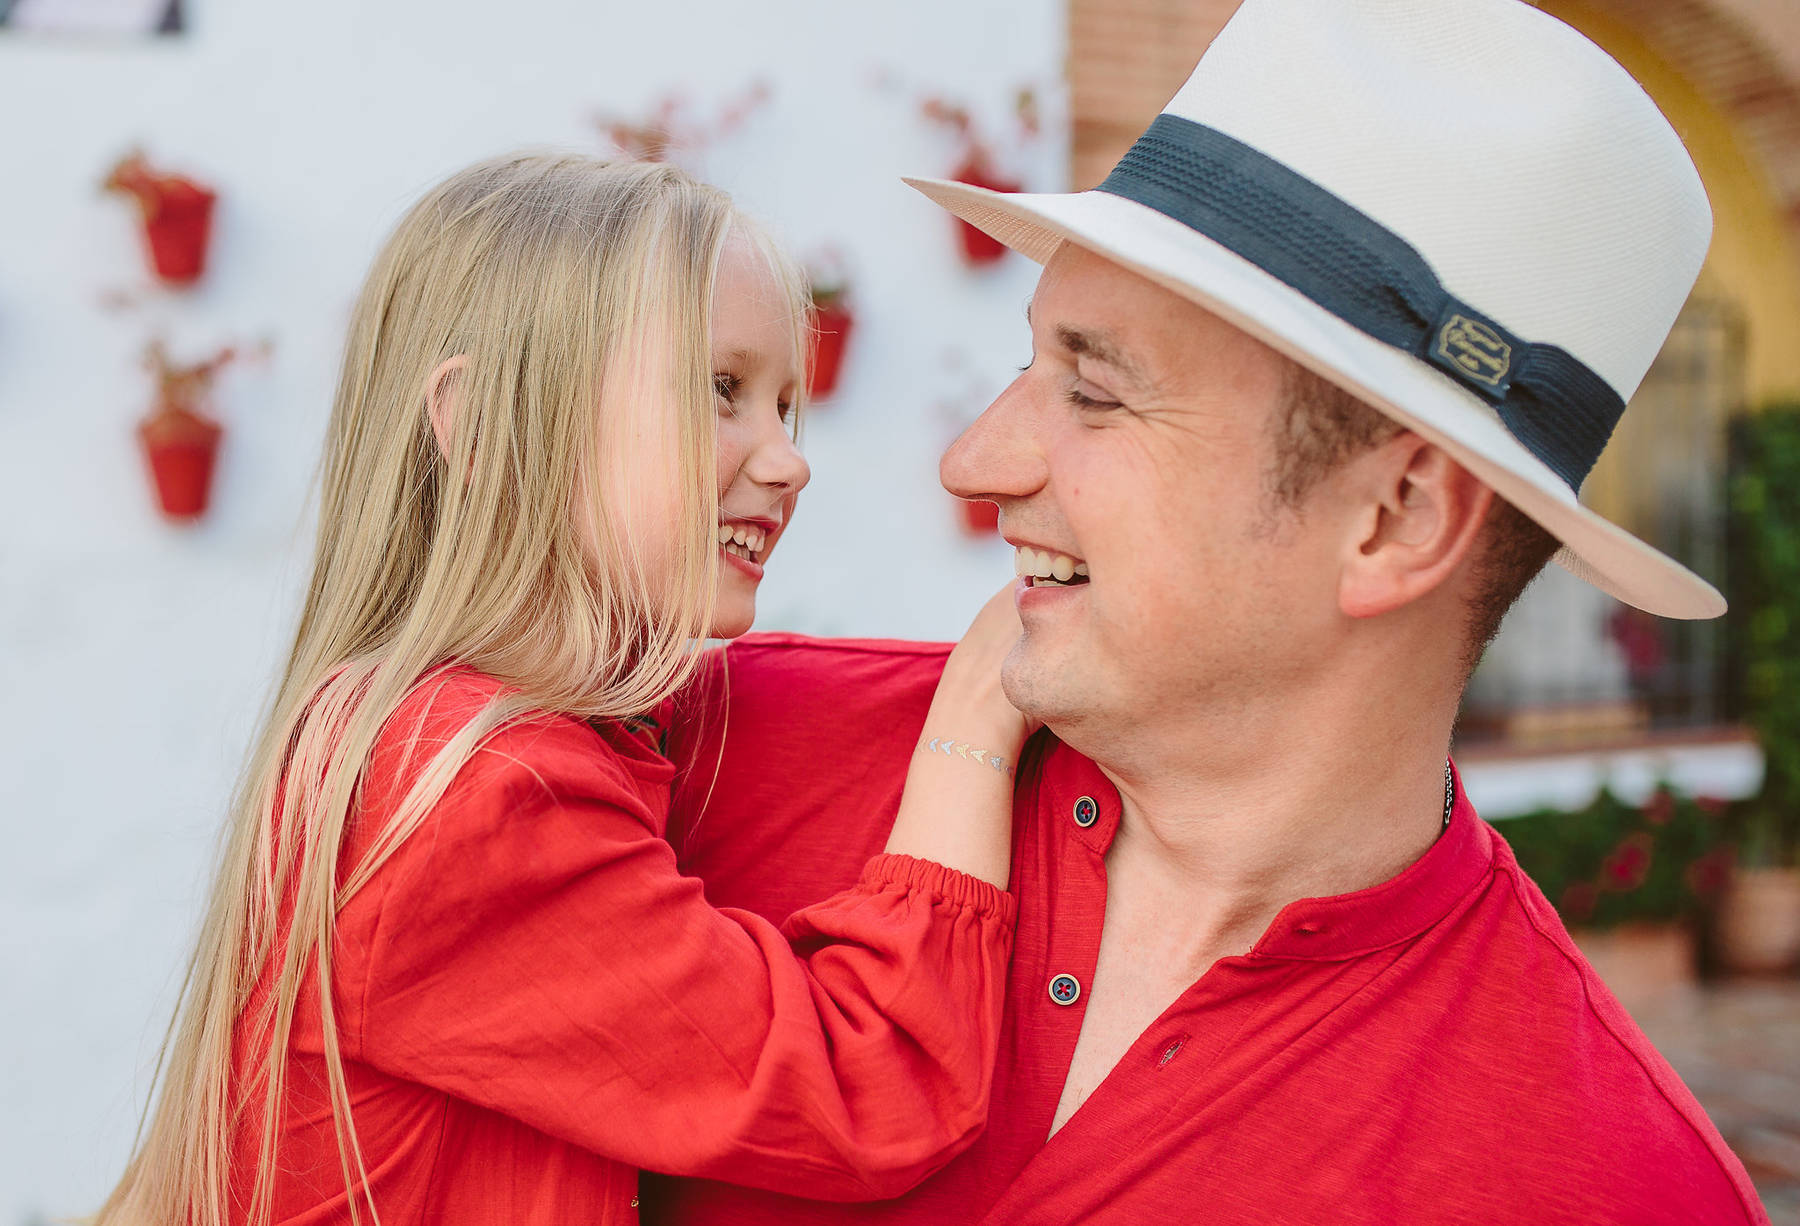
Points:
(1082, 400)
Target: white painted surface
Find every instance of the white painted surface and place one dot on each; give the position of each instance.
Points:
(133, 656)
(1499, 789)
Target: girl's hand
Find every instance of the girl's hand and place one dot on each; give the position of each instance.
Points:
(957, 806)
(969, 704)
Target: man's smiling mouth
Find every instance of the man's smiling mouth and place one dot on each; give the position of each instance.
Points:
(1042, 568)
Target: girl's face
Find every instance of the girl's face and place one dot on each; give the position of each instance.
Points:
(755, 376)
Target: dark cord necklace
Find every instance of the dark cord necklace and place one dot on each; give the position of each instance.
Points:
(1449, 793)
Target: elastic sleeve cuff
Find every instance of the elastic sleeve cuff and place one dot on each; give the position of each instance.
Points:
(906, 873)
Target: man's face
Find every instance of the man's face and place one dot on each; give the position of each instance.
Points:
(1137, 444)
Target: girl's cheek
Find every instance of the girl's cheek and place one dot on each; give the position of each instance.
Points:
(731, 451)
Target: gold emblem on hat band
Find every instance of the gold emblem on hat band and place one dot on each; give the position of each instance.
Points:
(1475, 349)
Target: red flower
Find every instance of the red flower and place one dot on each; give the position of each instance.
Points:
(1628, 865)
(1660, 807)
(1708, 876)
(1578, 901)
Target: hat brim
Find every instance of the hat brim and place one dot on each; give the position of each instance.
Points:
(1196, 267)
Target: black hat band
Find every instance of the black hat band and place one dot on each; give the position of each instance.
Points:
(1365, 274)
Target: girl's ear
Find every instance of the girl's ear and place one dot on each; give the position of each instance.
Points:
(441, 394)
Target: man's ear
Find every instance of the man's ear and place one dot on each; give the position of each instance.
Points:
(442, 395)
(1422, 518)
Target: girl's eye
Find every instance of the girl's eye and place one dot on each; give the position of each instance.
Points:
(785, 410)
(726, 387)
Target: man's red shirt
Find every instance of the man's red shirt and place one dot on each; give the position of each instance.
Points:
(1433, 1049)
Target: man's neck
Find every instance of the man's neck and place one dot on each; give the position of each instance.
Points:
(1230, 813)
(1326, 794)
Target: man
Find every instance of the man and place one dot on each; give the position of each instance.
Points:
(1315, 375)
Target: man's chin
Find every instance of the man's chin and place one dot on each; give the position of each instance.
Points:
(1035, 690)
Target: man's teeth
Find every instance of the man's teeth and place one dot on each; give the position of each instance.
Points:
(1043, 565)
(744, 540)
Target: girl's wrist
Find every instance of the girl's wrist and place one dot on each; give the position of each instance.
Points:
(1004, 732)
(997, 754)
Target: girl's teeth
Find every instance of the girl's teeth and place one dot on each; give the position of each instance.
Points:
(748, 540)
(1063, 568)
(1081, 569)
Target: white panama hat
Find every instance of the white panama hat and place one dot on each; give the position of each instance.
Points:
(1462, 211)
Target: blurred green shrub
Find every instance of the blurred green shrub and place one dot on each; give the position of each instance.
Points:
(1764, 536)
(1614, 863)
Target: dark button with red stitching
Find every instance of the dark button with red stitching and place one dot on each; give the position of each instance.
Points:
(1086, 812)
(1065, 989)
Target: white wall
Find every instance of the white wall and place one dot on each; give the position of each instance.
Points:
(133, 656)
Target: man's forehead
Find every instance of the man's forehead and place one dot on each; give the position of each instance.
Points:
(1093, 307)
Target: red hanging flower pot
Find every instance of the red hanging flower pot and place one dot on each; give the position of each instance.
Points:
(177, 216)
(179, 231)
(181, 448)
(181, 440)
(832, 321)
(980, 248)
(980, 517)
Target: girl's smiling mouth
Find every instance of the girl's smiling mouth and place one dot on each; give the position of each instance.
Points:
(746, 538)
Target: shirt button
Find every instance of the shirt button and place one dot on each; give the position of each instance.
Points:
(1086, 812)
(1065, 989)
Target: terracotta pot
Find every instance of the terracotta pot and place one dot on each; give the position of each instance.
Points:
(181, 448)
(1641, 963)
(979, 518)
(1758, 923)
(177, 230)
(978, 247)
(831, 332)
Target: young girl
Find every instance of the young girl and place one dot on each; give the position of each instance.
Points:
(560, 454)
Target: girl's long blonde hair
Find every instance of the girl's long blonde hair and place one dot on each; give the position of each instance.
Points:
(581, 293)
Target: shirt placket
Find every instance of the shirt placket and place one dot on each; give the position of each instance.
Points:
(1067, 822)
(1074, 1175)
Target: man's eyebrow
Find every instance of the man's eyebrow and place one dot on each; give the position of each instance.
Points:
(1101, 348)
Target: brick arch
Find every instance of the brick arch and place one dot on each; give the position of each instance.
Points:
(1745, 59)
(1127, 57)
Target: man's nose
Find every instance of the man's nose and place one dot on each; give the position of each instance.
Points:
(997, 457)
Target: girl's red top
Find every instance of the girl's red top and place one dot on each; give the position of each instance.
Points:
(533, 1003)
